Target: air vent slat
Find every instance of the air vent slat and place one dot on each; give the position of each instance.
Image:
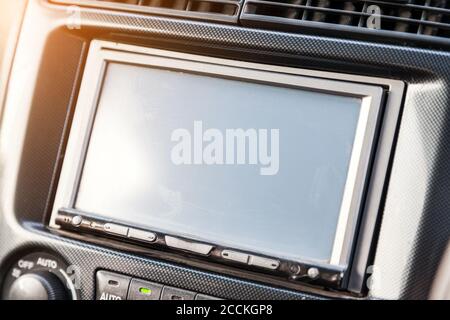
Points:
(220, 10)
(422, 17)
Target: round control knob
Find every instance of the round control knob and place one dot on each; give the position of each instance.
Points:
(37, 286)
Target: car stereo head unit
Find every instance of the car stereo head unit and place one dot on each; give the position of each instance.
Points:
(250, 165)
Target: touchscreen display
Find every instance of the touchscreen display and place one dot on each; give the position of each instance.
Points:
(243, 164)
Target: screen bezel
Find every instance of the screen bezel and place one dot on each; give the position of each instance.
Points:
(102, 53)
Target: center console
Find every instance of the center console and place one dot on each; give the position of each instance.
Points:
(148, 156)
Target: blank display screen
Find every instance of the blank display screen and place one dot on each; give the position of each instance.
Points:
(241, 164)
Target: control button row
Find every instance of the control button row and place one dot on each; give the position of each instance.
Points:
(141, 235)
(113, 286)
(135, 234)
(177, 243)
(250, 259)
(114, 229)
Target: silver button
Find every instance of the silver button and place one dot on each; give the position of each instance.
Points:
(263, 262)
(235, 256)
(96, 226)
(76, 221)
(86, 223)
(141, 235)
(196, 247)
(313, 273)
(115, 229)
(295, 269)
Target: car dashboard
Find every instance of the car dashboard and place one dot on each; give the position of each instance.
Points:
(224, 149)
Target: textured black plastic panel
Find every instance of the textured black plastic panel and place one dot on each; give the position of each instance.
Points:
(55, 92)
(92, 258)
(416, 223)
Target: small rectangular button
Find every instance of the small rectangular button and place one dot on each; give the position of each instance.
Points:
(205, 297)
(116, 229)
(196, 247)
(97, 226)
(142, 235)
(235, 256)
(262, 262)
(111, 286)
(144, 290)
(170, 293)
(85, 223)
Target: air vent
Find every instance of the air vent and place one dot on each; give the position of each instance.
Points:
(221, 10)
(422, 17)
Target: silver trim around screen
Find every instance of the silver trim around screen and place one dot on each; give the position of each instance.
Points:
(367, 89)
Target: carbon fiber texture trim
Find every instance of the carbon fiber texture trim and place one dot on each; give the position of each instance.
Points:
(90, 258)
(48, 117)
(416, 223)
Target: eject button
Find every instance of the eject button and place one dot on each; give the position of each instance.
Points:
(116, 229)
(141, 235)
(196, 247)
(251, 260)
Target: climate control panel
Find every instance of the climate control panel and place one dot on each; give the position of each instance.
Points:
(40, 276)
(114, 286)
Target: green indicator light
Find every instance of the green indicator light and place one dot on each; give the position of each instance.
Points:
(145, 291)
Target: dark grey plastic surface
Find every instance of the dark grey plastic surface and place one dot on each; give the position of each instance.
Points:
(415, 225)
